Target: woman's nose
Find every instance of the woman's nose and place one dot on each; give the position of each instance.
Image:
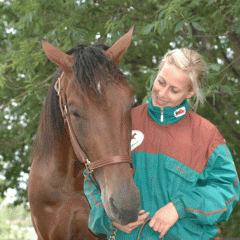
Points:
(163, 92)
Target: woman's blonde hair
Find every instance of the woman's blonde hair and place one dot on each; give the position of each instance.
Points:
(193, 64)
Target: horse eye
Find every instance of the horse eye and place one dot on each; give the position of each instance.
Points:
(75, 114)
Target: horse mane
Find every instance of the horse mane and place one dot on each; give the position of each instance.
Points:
(90, 66)
(51, 130)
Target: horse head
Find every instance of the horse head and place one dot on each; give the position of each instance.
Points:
(98, 100)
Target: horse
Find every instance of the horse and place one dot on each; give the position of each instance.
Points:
(85, 121)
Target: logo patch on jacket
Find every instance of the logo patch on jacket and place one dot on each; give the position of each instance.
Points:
(137, 139)
(180, 112)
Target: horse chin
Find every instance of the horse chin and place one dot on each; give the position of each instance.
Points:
(120, 209)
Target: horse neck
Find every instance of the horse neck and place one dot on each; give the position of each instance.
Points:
(67, 166)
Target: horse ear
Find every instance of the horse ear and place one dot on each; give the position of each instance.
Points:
(118, 48)
(63, 60)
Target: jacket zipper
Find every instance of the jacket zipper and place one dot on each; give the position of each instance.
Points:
(161, 120)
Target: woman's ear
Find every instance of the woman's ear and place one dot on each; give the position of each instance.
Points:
(190, 94)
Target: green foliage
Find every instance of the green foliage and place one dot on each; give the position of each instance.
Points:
(5, 229)
(15, 223)
(210, 27)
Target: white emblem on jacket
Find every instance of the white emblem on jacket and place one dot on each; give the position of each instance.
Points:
(137, 139)
(179, 112)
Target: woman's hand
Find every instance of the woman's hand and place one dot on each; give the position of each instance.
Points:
(131, 226)
(164, 218)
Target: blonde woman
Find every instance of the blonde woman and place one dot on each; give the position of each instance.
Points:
(184, 170)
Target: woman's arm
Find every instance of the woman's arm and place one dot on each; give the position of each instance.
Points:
(214, 198)
(98, 222)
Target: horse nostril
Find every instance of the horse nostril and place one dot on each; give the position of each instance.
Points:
(128, 216)
(124, 216)
(113, 207)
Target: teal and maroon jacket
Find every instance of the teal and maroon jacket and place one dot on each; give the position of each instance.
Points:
(180, 157)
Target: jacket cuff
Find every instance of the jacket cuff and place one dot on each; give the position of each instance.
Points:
(99, 222)
(180, 207)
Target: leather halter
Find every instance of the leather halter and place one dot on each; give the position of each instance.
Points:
(82, 157)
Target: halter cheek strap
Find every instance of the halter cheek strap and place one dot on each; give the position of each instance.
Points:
(65, 114)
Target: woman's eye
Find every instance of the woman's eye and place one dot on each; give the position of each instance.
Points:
(174, 91)
(160, 82)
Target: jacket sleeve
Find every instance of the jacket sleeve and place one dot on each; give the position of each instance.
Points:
(215, 195)
(98, 221)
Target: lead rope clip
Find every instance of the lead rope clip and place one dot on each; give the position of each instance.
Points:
(113, 237)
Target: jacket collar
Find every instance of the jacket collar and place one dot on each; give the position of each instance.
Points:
(168, 115)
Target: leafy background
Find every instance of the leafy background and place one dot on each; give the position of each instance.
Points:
(211, 27)
(15, 222)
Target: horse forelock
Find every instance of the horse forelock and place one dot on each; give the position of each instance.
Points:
(92, 69)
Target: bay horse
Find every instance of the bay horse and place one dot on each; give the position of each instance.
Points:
(86, 119)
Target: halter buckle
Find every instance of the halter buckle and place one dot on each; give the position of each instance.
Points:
(57, 86)
(87, 163)
(66, 109)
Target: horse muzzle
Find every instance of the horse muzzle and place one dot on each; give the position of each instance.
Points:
(122, 205)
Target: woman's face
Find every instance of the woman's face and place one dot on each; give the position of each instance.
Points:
(171, 87)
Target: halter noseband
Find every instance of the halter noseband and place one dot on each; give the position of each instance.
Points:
(82, 157)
